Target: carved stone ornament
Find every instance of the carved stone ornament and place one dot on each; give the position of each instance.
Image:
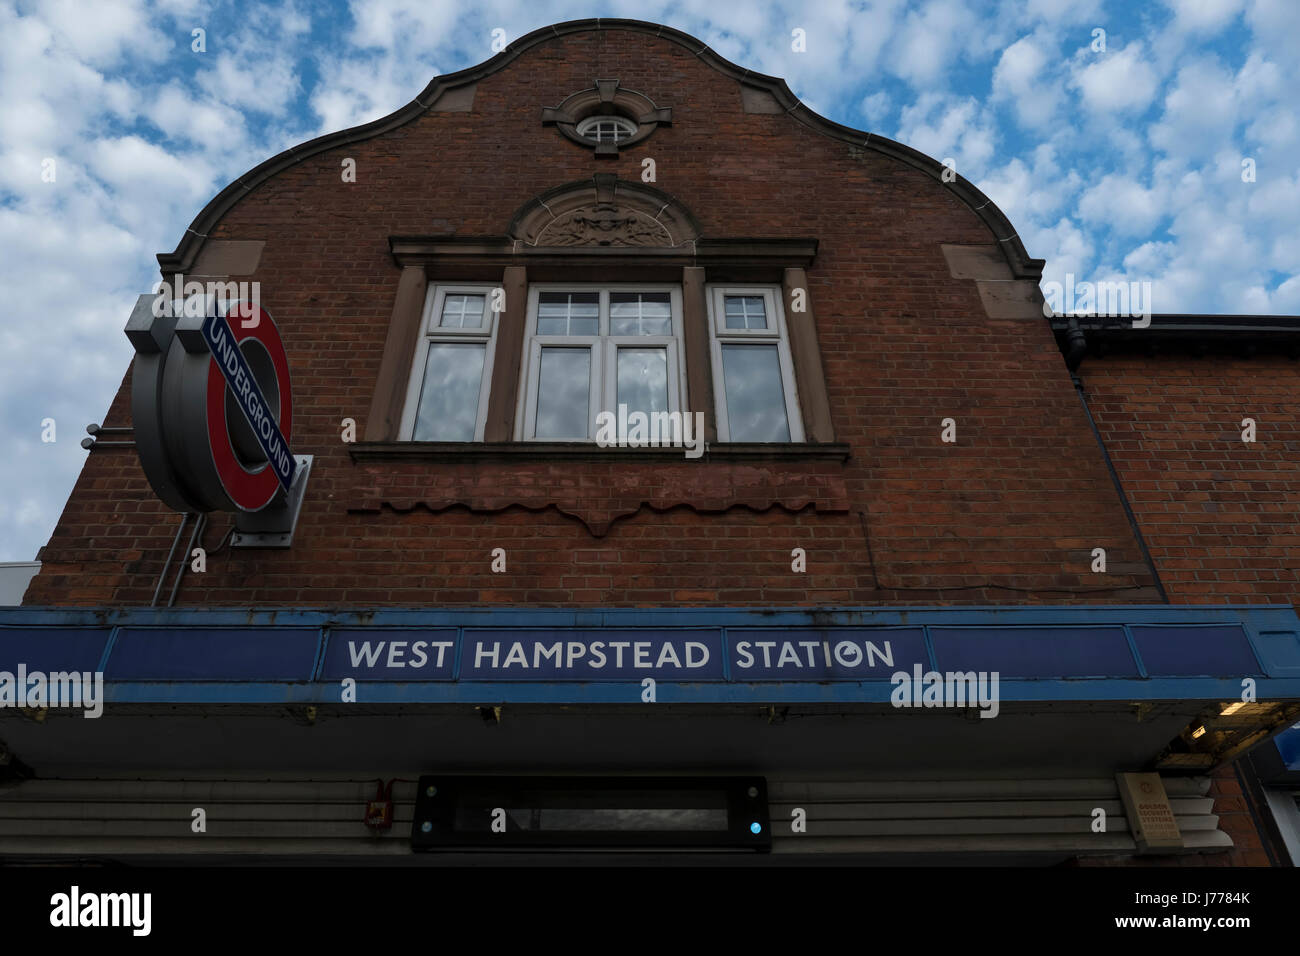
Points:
(606, 98)
(604, 225)
(604, 211)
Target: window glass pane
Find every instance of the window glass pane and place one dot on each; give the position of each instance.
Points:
(448, 409)
(462, 311)
(640, 313)
(563, 391)
(568, 313)
(755, 397)
(643, 380)
(745, 312)
(606, 129)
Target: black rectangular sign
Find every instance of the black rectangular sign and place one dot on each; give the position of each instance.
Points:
(568, 813)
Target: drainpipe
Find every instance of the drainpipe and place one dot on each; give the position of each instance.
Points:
(167, 565)
(196, 535)
(1077, 347)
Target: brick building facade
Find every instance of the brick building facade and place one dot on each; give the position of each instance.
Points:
(897, 301)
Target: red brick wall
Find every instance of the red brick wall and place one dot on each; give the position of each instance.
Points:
(1008, 514)
(1221, 517)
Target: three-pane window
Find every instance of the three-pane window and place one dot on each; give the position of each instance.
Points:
(590, 349)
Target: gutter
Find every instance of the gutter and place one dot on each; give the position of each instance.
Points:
(1197, 334)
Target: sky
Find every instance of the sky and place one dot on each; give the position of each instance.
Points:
(1137, 140)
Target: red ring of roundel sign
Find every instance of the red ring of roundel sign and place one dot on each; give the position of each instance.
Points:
(248, 490)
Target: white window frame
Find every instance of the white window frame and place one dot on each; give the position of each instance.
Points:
(776, 334)
(629, 127)
(431, 332)
(668, 343)
(603, 387)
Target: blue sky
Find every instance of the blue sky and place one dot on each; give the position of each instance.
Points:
(1122, 162)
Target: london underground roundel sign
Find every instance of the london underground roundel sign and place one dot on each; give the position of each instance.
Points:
(213, 406)
(249, 487)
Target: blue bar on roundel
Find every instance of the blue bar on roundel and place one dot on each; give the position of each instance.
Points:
(234, 367)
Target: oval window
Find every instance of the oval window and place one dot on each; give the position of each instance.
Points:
(607, 129)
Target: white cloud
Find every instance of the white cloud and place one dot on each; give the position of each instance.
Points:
(103, 32)
(1286, 300)
(422, 23)
(356, 91)
(1063, 11)
(181, 10)
(238, 80)
(1275, 25)
(1116, 81)
(130, 161)
(1150, 257)
(1203, 15)
(1031, 194)
(1200, 112)
(950, 127)
(1215, 259)
(196, 121)
(1124, 206)
(876, 107)
(1024, 78)
(256, 68)
(931, 40)
(1066, 247)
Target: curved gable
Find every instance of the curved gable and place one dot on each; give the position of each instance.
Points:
(454, 92)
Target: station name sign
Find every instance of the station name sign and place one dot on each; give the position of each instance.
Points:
(210, 655)
(572, 654)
